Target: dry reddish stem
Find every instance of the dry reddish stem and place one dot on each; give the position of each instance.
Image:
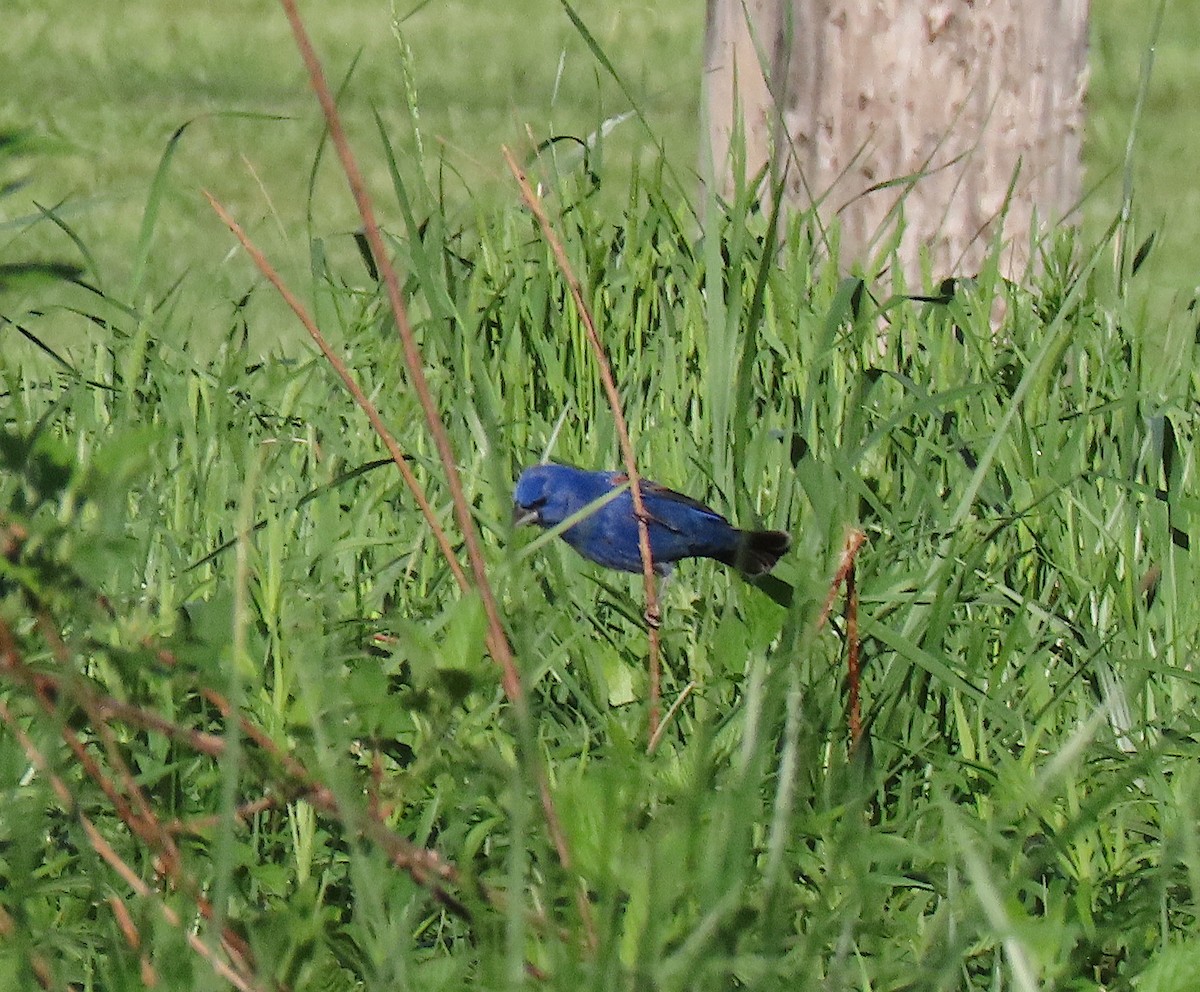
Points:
(200, 742)
(852, 666)
(855, 539)
(425, 867)
(38, 761)
(653, 616)
(241, 814)
(352, 387)
(133, 938)
(321, 797)
(130, 803)
(105, 850)
(125, 923)
(37, 964)
(101, 846)
(498, 640)
(421, 864)
(42, 972)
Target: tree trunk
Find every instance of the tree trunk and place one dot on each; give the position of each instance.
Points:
(962, 100)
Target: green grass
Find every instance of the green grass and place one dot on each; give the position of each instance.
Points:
(1165, 198)
(104, 97)
(482, 77)
(191, 503)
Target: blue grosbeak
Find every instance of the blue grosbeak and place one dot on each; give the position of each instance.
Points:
(680, 527)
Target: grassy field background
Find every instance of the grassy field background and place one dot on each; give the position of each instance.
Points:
(251, 736)
(101, 100)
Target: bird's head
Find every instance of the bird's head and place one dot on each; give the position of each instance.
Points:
(544, 496)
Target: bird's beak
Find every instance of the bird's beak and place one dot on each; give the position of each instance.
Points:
(521, 516)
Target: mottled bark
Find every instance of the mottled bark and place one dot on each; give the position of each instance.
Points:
(840, 96)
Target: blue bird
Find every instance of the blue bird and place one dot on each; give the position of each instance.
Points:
(679, 526)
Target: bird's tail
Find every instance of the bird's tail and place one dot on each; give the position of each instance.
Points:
(757, 551)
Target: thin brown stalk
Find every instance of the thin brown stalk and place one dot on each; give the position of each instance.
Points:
(42, 972)
(168, 861)
(129, 802)
(114, 860)
(855, 539)
(424, 866)
(102, 708)
(131, 878)
(497, 639)
(845, 575)
(499, 648)
(352, 386)
(853, 672)
(47, 691)
(207, 744)
(241, 814)
(133, 938)
(125, 923)
(653, 617)
(36, 758)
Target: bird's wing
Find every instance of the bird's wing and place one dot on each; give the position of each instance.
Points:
(654, 491)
